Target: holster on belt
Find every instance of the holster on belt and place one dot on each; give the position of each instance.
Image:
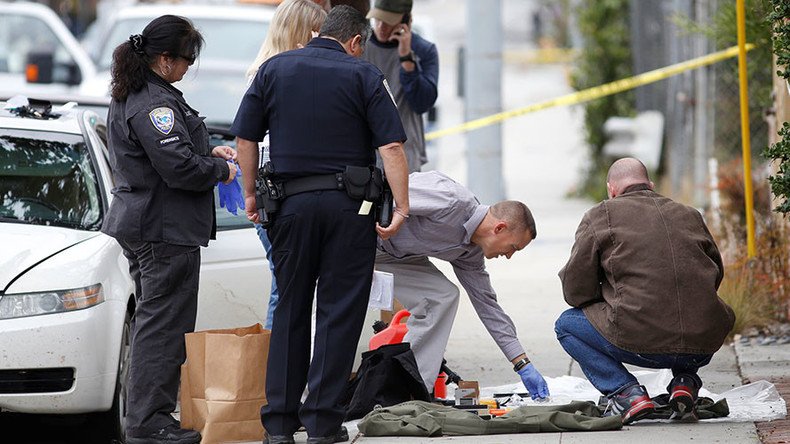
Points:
(364, 183)
(360, 183)
(369, 183)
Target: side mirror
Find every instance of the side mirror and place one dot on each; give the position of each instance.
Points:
(74, 76)
(39, 67)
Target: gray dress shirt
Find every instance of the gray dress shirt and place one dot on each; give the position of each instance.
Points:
(443, 215)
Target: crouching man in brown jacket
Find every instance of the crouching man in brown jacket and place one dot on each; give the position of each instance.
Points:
(642, 278)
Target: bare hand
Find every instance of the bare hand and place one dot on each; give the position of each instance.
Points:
(224, 152)
(251, 209)
(232, 170)
(402, 35)
(394, 226)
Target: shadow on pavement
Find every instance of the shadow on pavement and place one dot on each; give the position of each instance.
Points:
(54, 429)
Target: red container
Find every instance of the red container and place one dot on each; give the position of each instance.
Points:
(393, 334)
(440, 386)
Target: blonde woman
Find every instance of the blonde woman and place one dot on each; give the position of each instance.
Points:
(294, 23)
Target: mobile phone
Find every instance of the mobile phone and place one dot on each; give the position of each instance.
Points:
(406, 18)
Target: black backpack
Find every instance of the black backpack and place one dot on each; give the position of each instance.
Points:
(387, 376)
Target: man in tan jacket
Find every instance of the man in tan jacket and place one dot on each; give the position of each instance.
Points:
(642, 278)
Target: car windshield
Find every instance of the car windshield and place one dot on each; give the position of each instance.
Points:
(47, 178)
(234, 40)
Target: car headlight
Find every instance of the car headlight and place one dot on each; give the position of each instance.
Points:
(34, 304)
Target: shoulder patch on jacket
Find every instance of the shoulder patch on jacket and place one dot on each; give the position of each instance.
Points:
(163, 119)
(389, 91)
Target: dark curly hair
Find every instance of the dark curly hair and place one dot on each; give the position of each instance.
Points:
(168, 34)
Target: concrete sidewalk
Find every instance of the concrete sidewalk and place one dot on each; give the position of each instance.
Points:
(543, 156)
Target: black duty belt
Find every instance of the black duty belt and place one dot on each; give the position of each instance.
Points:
(313, 183)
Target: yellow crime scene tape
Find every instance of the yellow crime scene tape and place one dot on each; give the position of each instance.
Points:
(593, 93)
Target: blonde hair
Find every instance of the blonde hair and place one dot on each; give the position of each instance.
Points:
(293, 23)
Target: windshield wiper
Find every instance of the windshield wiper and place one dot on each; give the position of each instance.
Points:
(6, 218)
(49, 222)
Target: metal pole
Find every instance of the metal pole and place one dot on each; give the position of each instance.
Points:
(701, 109)
(745, 131)
(483, 93)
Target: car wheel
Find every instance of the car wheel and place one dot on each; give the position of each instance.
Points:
(118, 411)
(112, 424)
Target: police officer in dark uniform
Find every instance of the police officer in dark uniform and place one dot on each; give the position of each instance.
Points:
(161, 213)
(325, 110)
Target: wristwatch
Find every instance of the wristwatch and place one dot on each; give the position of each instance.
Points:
(520, 364)
(408, 57)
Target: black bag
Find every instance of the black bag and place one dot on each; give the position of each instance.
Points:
(387, 376)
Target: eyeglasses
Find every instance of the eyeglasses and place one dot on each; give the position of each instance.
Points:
(191, 59)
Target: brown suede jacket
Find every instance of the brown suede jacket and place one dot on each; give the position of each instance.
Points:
(645, 270)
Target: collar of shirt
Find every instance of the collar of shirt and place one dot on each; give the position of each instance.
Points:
(154, 78)
(636, 187)
(326, 43)
(377, 42)
(471, 225)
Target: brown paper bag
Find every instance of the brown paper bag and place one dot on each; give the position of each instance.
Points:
(223, 383)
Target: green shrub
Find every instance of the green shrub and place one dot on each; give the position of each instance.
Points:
(606, 57)
(780, 151)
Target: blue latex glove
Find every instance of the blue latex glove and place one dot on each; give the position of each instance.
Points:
(230, 196)
(534, 382)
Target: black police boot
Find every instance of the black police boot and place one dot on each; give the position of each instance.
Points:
(683, 391)
(171, 434)
(632, 403)
(278, 439)
(340, 436)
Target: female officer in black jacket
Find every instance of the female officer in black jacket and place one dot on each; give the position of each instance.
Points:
(161, 213)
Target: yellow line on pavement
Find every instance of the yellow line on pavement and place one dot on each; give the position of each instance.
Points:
(593, 93)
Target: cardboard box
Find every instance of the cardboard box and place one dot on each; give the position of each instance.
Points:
(467, 393)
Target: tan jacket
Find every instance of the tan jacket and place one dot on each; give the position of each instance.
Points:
(645, 270)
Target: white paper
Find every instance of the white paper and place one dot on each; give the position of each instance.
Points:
(381, 291)
(758, 401)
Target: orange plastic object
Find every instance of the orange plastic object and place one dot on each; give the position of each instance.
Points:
(491, 403)
(440, 386)
(497, 412)
(393, 334)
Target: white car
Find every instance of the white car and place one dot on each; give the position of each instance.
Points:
(65, 293)
(215, 84)
(38, 54)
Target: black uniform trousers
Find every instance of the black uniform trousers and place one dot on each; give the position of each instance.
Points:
(317, 236)
(166, 286)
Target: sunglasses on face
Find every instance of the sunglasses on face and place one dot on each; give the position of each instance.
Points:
(189, 58)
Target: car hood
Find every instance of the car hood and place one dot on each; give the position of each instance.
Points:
(24, 246)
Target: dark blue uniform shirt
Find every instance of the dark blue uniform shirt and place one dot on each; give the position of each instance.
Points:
(323, 108)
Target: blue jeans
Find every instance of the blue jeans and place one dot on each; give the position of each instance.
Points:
(274, 294)
(602, 362)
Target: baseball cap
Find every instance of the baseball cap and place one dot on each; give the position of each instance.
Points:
(390, 11)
